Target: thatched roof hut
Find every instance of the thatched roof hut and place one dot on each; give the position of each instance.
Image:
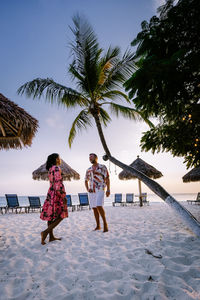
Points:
(17, 127)
(193, 175)
(67, 172)
(143, 167)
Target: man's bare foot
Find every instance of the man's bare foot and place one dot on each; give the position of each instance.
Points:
(55, 239)
(43, 237)
(105, 229)
(97, 228)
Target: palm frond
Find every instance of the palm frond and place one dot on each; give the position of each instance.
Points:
(110, 54)
(74, 72)
(126, 112)
(145, 119)
(81, 122)
(52, 91)
(122, 69)
(113, 94)
(81, 81)
(86, 52)
(85, 39)
(106, 63)
(104, 116)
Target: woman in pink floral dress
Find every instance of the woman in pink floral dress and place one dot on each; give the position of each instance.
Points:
(54, 209)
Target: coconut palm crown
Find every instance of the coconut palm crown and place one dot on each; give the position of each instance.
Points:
(98, 76)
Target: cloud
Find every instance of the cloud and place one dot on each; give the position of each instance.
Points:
(54, 121)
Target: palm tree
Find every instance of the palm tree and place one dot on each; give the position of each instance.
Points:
(99, 79)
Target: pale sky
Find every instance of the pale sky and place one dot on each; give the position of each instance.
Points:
(34, 43)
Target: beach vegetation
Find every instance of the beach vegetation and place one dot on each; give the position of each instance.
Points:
(166, 84)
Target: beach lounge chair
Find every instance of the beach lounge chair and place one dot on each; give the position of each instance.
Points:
(83, 199)
(118, 200)
(3, 208)
(13, 203)
(69, 202)
(197, 201)
(144, 198)
(129, 199)
(35, 203)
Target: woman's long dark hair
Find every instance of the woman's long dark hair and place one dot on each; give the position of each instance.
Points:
(51, 160)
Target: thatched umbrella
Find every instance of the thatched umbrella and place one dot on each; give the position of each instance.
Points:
(17, 127)
(193, 175)
(67, 172)
(143, 167)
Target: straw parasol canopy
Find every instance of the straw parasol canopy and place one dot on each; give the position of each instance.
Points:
(193, 175)
(67, 172)
(17, 127)
(143, 167)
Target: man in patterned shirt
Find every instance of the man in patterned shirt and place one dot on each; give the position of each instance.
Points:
(96, 180)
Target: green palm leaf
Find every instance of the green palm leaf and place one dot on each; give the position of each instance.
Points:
(85, 41)
(120, 71)
(86, 53)
(104, 116)
(112, 53)
(106, 64)
(130, 113)
(52, 91)
(82, 121)
(113, 94)
(126, 112)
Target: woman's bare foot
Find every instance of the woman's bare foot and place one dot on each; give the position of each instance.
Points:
(54, 239)
(97, 228)
(43, 237)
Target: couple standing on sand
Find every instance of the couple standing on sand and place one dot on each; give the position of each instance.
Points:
(55, 210)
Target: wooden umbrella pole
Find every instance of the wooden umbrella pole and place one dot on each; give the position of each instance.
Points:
(2, 129)
(140, 192)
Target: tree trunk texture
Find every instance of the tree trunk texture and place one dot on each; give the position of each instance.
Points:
(140, 192)
(181, 211)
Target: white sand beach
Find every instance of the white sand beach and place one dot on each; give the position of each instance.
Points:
(148, 253)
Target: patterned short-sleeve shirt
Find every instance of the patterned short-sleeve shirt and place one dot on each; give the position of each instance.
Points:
(97, 177)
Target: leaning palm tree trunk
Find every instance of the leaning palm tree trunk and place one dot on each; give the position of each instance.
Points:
(182, 212)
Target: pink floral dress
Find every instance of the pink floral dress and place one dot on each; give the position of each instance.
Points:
(53, 206)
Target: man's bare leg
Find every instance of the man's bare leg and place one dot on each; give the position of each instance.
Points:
(96, 215)
(49, 229)
(102, 213)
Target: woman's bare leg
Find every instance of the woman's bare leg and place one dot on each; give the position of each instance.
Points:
(51, 235)
(49, 230)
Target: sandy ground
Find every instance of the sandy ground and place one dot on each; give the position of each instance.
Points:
(148, 253)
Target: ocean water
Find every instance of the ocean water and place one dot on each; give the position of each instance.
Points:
(23, 200)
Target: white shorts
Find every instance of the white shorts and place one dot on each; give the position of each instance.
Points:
(96, 199)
